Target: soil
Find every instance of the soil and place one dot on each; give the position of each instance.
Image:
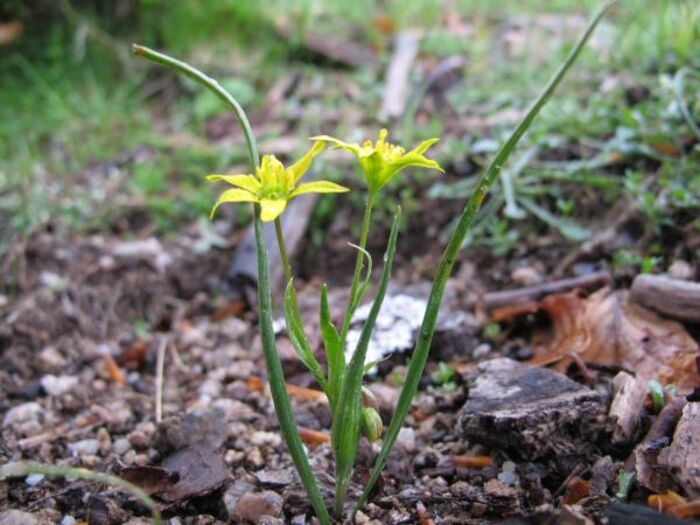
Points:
(80, 307)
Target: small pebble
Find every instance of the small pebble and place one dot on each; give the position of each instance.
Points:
(482, 350)
(34, 479)
(68, 520)
(121, 446)
(526, 276)
(508, 475)
(22, 413)
(50, 359)
(58, 385)
(86, 447)
(142, 435)
(17, 517)
(680, 269)
(254, 505)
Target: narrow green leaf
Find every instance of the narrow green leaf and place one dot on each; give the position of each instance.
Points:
(568, 228)
(425, 337)
(298, 338)
(347, 418)
(335, 356)
(364, 285)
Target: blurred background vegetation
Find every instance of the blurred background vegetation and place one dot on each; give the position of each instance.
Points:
(87, 131)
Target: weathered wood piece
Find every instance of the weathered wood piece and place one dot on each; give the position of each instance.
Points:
(682, 456)
(670, 297)
(531, 412)
(243, 272)
(625, 410)
(397, 75)
(503, 298)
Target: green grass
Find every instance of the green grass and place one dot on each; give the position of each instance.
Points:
(71, 110)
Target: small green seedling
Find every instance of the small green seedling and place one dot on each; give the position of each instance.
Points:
(270, 185)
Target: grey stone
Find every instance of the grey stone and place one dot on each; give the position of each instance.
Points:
(253, 506)
(530, 412)
(17, 517)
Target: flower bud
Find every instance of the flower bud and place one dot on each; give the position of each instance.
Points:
(372, 425)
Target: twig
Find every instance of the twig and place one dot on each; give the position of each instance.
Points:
(397, 75)
(495, 300)
(160, 365)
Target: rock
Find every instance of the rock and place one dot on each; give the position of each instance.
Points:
(253, 506)
(34, 479)
(682, 456)
(58, 385)
(682, 270)
(626, 407)
(17, 517)
(530, 412)
(142, 436)
(526, 276)
(50, 359)
(234, 493)
(407, 439)
(85, 447)
(274, 478)
(22, 413)
(121, 446)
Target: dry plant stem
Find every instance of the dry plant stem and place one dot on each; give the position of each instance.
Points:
(422, 348)
(278, 391)
(160, 365)
(12, 470)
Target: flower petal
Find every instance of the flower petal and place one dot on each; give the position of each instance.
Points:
(319, 186)
(247, 182)
(423, 146)
(234, 195)
(297, 170)
(271, 171)
(270, 209)
(352, 148)
(415, 159)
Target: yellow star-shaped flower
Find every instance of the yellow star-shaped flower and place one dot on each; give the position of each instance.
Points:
(381, 161)
(273, 185)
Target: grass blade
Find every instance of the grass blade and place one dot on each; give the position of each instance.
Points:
(298, 338)
(420, 353)
(347, 417)
(334, 350)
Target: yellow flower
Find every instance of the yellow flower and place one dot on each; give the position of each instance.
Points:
(273, 185)
(381, 161)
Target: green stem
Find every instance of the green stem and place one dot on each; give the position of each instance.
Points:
(13, 470)
(280, 398)
(283, 251)
(359, 264)
(422, 348)
(213, 86)
(278, 389)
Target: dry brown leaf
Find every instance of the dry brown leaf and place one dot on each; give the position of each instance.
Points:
(576, 489)
(666, 501)
(686, 510)
(607, 329)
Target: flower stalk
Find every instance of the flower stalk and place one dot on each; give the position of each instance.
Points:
(278, 390)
